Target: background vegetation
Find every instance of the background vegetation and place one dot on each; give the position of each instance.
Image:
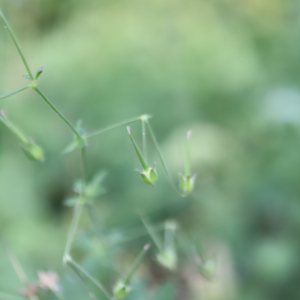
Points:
(226, 69)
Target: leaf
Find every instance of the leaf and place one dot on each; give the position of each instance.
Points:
(27, 77)
(39, 72)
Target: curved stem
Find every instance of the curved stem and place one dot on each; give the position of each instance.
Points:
(57, 111)
(162, 160)
(15, 92)
(16, 44)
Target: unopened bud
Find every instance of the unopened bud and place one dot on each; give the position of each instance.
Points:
(186, 183)
(121, 290)
(208, 269)
(33, 151)
(167, 259)
(148, 174)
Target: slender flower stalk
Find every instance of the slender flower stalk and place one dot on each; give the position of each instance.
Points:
(17, 45)
(186, 183)
(76, 266)
(162, 160)
(105, 129)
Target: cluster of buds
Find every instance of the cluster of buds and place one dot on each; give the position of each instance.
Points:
(148, 174)
(31, 149)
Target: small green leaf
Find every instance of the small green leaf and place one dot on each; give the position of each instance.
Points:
(39, 72)
(27, 77)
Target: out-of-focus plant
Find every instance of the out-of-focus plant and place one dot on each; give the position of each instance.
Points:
(86, 191)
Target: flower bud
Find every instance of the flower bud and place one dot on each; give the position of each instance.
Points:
(148, 174)
(33, 151)
(186, 183)
(208, 269)
(121, 290)
(167, 259)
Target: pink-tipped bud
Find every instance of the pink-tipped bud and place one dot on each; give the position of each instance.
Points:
(189, 134)
(147, 246)
(128, 129)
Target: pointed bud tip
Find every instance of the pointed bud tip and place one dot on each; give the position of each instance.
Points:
(147, 246)
(188, 135)
(128, 129)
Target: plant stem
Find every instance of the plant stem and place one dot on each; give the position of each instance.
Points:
(14, 129)
(70, 261)
(17, 45)
(138, 152)
(72, 230)
(83, 170)
(144, 140)
(187, 161)
(153, 235)
(137, 263)
(57, 111)
(77, 273)
(113, 127)
(16, 91)
(162, 160)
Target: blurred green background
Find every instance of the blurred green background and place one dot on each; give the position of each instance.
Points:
(226, 69)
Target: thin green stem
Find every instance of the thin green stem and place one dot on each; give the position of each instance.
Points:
(83, 280)
(187, 161)
(144, 140)
(113, 127)
(16, 92)
(153, 235)
(83, 170)
(57, 111)
(138, 152)
(70, 261)
(72, 230)
(14, 129)
(137, 262)
(162, 160)
(16, 44)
